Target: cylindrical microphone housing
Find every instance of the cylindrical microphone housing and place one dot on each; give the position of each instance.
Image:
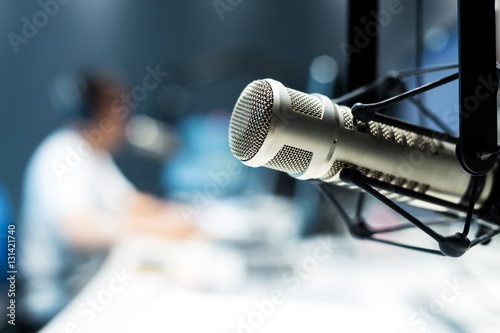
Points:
(310, 137)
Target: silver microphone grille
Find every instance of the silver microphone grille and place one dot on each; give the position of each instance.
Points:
(251, 120)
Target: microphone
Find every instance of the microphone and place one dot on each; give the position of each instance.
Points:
(311, 137)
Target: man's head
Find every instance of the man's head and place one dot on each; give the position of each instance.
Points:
(102, 109)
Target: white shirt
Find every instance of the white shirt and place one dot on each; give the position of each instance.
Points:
(64, 177)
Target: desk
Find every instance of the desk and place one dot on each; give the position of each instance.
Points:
(351, 293)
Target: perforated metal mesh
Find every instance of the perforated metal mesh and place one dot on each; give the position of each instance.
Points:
(373, 128)
(305, 103)
(251, 120)
(393, 134)
(290, 159)
(334, 170)
(348, 123)
(333, 176)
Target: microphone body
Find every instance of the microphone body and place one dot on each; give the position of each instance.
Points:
(311, 137)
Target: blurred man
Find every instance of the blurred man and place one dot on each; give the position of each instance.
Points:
(77, 203)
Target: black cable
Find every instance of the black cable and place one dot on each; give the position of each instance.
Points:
(354, 177)
(419, 71)
(418, 103)
(365, 112)
(405, 246)
(361, 91)
(381, 118)
(360, 204)
(407, 226)
(363, 232)
(484, 237)
(370, 87)
(448, 245)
